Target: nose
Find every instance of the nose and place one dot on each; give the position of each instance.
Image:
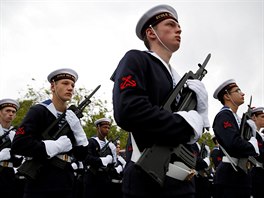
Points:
(179, 30)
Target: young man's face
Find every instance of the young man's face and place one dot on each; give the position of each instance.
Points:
(103, 129)
(8, 114)
(236, 95)
(259, 120)
(169, 32)
(63, 89)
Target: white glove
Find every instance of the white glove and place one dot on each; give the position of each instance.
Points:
(113, 151)
(253, 127)
(121, 160)
(76, 127)
(77, 165)
(119, 169)
(195, 121)
(254, 142)
(12, 135)
(5, 154)
(74, 166)
(1, 130)
(202, 99)
(208, 150)
(61, 145)
(106, 160)
(207, 161)
(80, 165)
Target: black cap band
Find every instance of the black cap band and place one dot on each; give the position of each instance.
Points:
(63, 76)
(156, 19)
(8, 105)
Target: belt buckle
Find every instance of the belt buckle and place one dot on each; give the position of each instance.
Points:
(65, 157)
(5, 163)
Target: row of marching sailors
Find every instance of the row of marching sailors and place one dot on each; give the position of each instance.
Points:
(238, 156)
(52, 166)
(218, 175)
(238, 162)
(239, 172)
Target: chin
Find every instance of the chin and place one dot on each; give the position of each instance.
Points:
(176, 48)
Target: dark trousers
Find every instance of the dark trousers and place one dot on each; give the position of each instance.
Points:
(223, 191)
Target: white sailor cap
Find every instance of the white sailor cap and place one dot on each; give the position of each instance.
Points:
(258, 110)
(225, 86)
(8, 102)
(64, 73)
(153, 17)
(103, 121)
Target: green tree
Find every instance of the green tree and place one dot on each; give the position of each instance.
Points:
(207, 139)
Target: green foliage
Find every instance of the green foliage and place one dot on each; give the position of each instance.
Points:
(207, 139)
(24, 107)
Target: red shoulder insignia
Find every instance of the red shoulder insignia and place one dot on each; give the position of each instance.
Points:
(127, 81)
(227, 124)
(20, 131)
(129, 148)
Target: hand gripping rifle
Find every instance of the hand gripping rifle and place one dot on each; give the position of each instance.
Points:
(155, 160)
(246, 133)
(65, 127)
(106, 150)
(30, 168)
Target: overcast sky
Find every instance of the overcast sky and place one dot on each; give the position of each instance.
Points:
(39, 36)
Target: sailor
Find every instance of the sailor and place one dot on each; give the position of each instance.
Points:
(100, 161)
(37, 140)
(257, 171)
(143, 81)
(8, 161)
(231, 179)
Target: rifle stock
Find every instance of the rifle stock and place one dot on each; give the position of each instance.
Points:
(31, 168)
(155, 160)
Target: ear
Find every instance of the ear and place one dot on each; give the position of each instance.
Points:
(52, 86)
(254, 118)
(226, 97)
(150, 33)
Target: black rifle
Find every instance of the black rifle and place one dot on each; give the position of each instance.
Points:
(155, 160)
(31, 168)
(64, 130)
(5, 141)
(103, 153)
(245, 130)
(203, 154)
(246, 133)
(106, 150)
